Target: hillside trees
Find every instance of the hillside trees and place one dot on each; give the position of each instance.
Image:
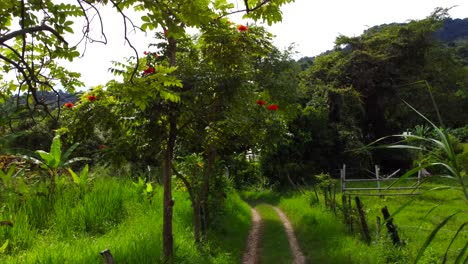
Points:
(366, 78)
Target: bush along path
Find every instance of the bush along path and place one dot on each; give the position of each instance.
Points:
(271, 238)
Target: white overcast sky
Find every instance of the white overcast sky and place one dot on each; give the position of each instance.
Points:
(312, 25)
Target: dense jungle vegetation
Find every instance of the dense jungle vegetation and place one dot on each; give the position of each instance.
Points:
(163, 164)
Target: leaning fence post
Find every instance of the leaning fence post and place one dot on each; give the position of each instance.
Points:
(378, 228)
(390, 226)
(106, 254)
(350, 214)
(362, 217)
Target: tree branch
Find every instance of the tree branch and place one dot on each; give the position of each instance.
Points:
(186, 183)
(247, 9)
(29, 30)
(125, 18)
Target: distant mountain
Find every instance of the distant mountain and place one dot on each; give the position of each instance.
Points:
(50, 98)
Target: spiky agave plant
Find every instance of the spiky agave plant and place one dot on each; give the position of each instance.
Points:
(446, 161)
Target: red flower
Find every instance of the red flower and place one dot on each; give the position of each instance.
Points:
(69, 105)
(91, 98)
(149, 70)
(144, 52)
(102, 146)
(273, 107)
(242, 28)
(260, 102)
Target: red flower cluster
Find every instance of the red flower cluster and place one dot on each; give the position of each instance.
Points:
(69, 105)
(91, 98)
(273, 107)
(102, 146)
(242, 28)
(149, 70)
(145, 52)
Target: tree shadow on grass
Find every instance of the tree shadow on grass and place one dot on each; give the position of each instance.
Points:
(254, 198)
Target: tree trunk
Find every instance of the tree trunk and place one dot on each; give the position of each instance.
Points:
(206, 189)
(196, 219)
(168, 203)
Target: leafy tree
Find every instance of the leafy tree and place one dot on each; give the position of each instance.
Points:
(366, 78)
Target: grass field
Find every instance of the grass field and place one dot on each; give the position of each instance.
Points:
(74, 226)
(325, 239)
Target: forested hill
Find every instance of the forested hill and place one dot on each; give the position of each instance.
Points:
(453, 30)
(357, 92)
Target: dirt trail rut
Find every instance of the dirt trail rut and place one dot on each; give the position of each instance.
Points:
(298, 257)
(253, 241)
(251, 254)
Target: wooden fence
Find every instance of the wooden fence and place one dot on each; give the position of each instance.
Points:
(381, 182)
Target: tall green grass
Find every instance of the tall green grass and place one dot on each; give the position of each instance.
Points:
(321, 235)
(324, 238)
(74, 225)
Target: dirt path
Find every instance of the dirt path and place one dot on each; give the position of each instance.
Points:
(253, 242)
(251, 255)
(298, 257)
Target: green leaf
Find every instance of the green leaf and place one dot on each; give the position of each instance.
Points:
(55, 151)
(22, 186)
(4, 246)
(453, 239)
(69, 162)
(75, 177)
(149, 188)
(432, 235)
(69, 152)
(68, 29)
(461, 254)
(46, 158)
(84, 174)
(7, 178)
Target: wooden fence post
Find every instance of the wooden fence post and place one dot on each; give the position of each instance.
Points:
(343, 179)
(347, 213)
(362, 217)
(377, 175)
(390, 226)
(106, 254)
(350, 214)
(378, 228)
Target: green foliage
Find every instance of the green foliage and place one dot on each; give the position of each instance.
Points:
(268, 10)
(54, 160)
(4, 246)
(145, 188)
(112, 214)
(362, 81)
(442, 154)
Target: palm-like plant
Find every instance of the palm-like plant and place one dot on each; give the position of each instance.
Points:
(53, 161)
(442, 150)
